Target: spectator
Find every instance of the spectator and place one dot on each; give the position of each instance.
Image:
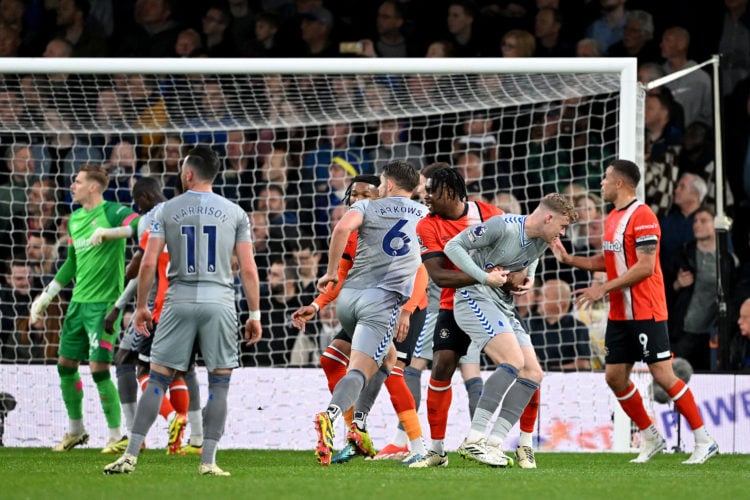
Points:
(41, 256)
(662, 146)
(608, 29)
(677, 225)
(733, 44)
(10, 41)
(154, 33)
(145, 107)
(692, 91)
(740, 348)
(547, 30)
(22, 174)
(518, 43)
(123, 167)
(240, 29)
(278, 301)
(561, 342)
(391, 40)
(588, 47)
(316, 27)
(259, 224)
(461, 26)
(306, 351)
(637, 39)
(239, 176)
(477, 133)
(342, 173)
(215, 116)
(594, 316)
(188, 43)
(218, 42)
(85, 39)
(440, 48)
(507, 202)
(697, 157)
(164, 162)
(694, 306)
(282, 222)
(392, 147)
(264, 44)
(590, 212)
(470, 166)
(337, 141)
(15, 300)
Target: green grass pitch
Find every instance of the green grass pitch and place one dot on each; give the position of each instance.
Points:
(40, 473)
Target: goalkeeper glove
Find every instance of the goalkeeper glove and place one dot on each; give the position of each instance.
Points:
(40, 303)
(102, 234)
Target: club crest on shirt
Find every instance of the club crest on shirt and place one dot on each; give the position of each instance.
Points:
(154, 227)
(477, 232)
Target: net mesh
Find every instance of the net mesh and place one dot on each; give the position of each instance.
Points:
(509, 134)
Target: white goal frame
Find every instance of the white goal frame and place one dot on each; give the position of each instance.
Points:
(630, 122)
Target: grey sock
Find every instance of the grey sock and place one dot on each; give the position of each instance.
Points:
(413, 379)
(348, 389)
(474, 387)
(148, 409)
(494, 389)
(127, 388)
(195, 415)
(215, 415)
(515, 401)
(370, 393)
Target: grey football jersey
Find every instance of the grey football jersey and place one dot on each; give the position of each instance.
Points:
(201, 230)
(499, 241)
(387, 245)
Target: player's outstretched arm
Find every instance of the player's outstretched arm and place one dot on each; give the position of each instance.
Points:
(102, 234)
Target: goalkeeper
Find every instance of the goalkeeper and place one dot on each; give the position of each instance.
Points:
(96, 259)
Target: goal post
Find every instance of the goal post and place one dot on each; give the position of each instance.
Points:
(534, 125)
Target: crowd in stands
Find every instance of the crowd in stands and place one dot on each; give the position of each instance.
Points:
(292, 180)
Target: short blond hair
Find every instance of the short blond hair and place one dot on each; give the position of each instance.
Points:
(561, 204)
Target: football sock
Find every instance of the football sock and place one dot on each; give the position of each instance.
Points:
(530, 414)
(525, 439)
(148, 409)
(399, 437)
(494, 389)
(684, 401)
(334, 363)
(413, 379)
(514, 402)
(195, 415)
(179, 397)
(632, 404)
(439, 396)
(348, 389)
(110, 401)
(127, 388)
(215, 415)
(474, 388)
(72, 392)
(166, 407)
(369, 394)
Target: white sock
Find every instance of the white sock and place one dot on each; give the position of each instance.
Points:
(417, 446)
(701, 435)
(128, 410)
(650, 433)
(438, 446)
(400, 438)
(195, 418)
(114, 433)
(526, 439)
(474, 436)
